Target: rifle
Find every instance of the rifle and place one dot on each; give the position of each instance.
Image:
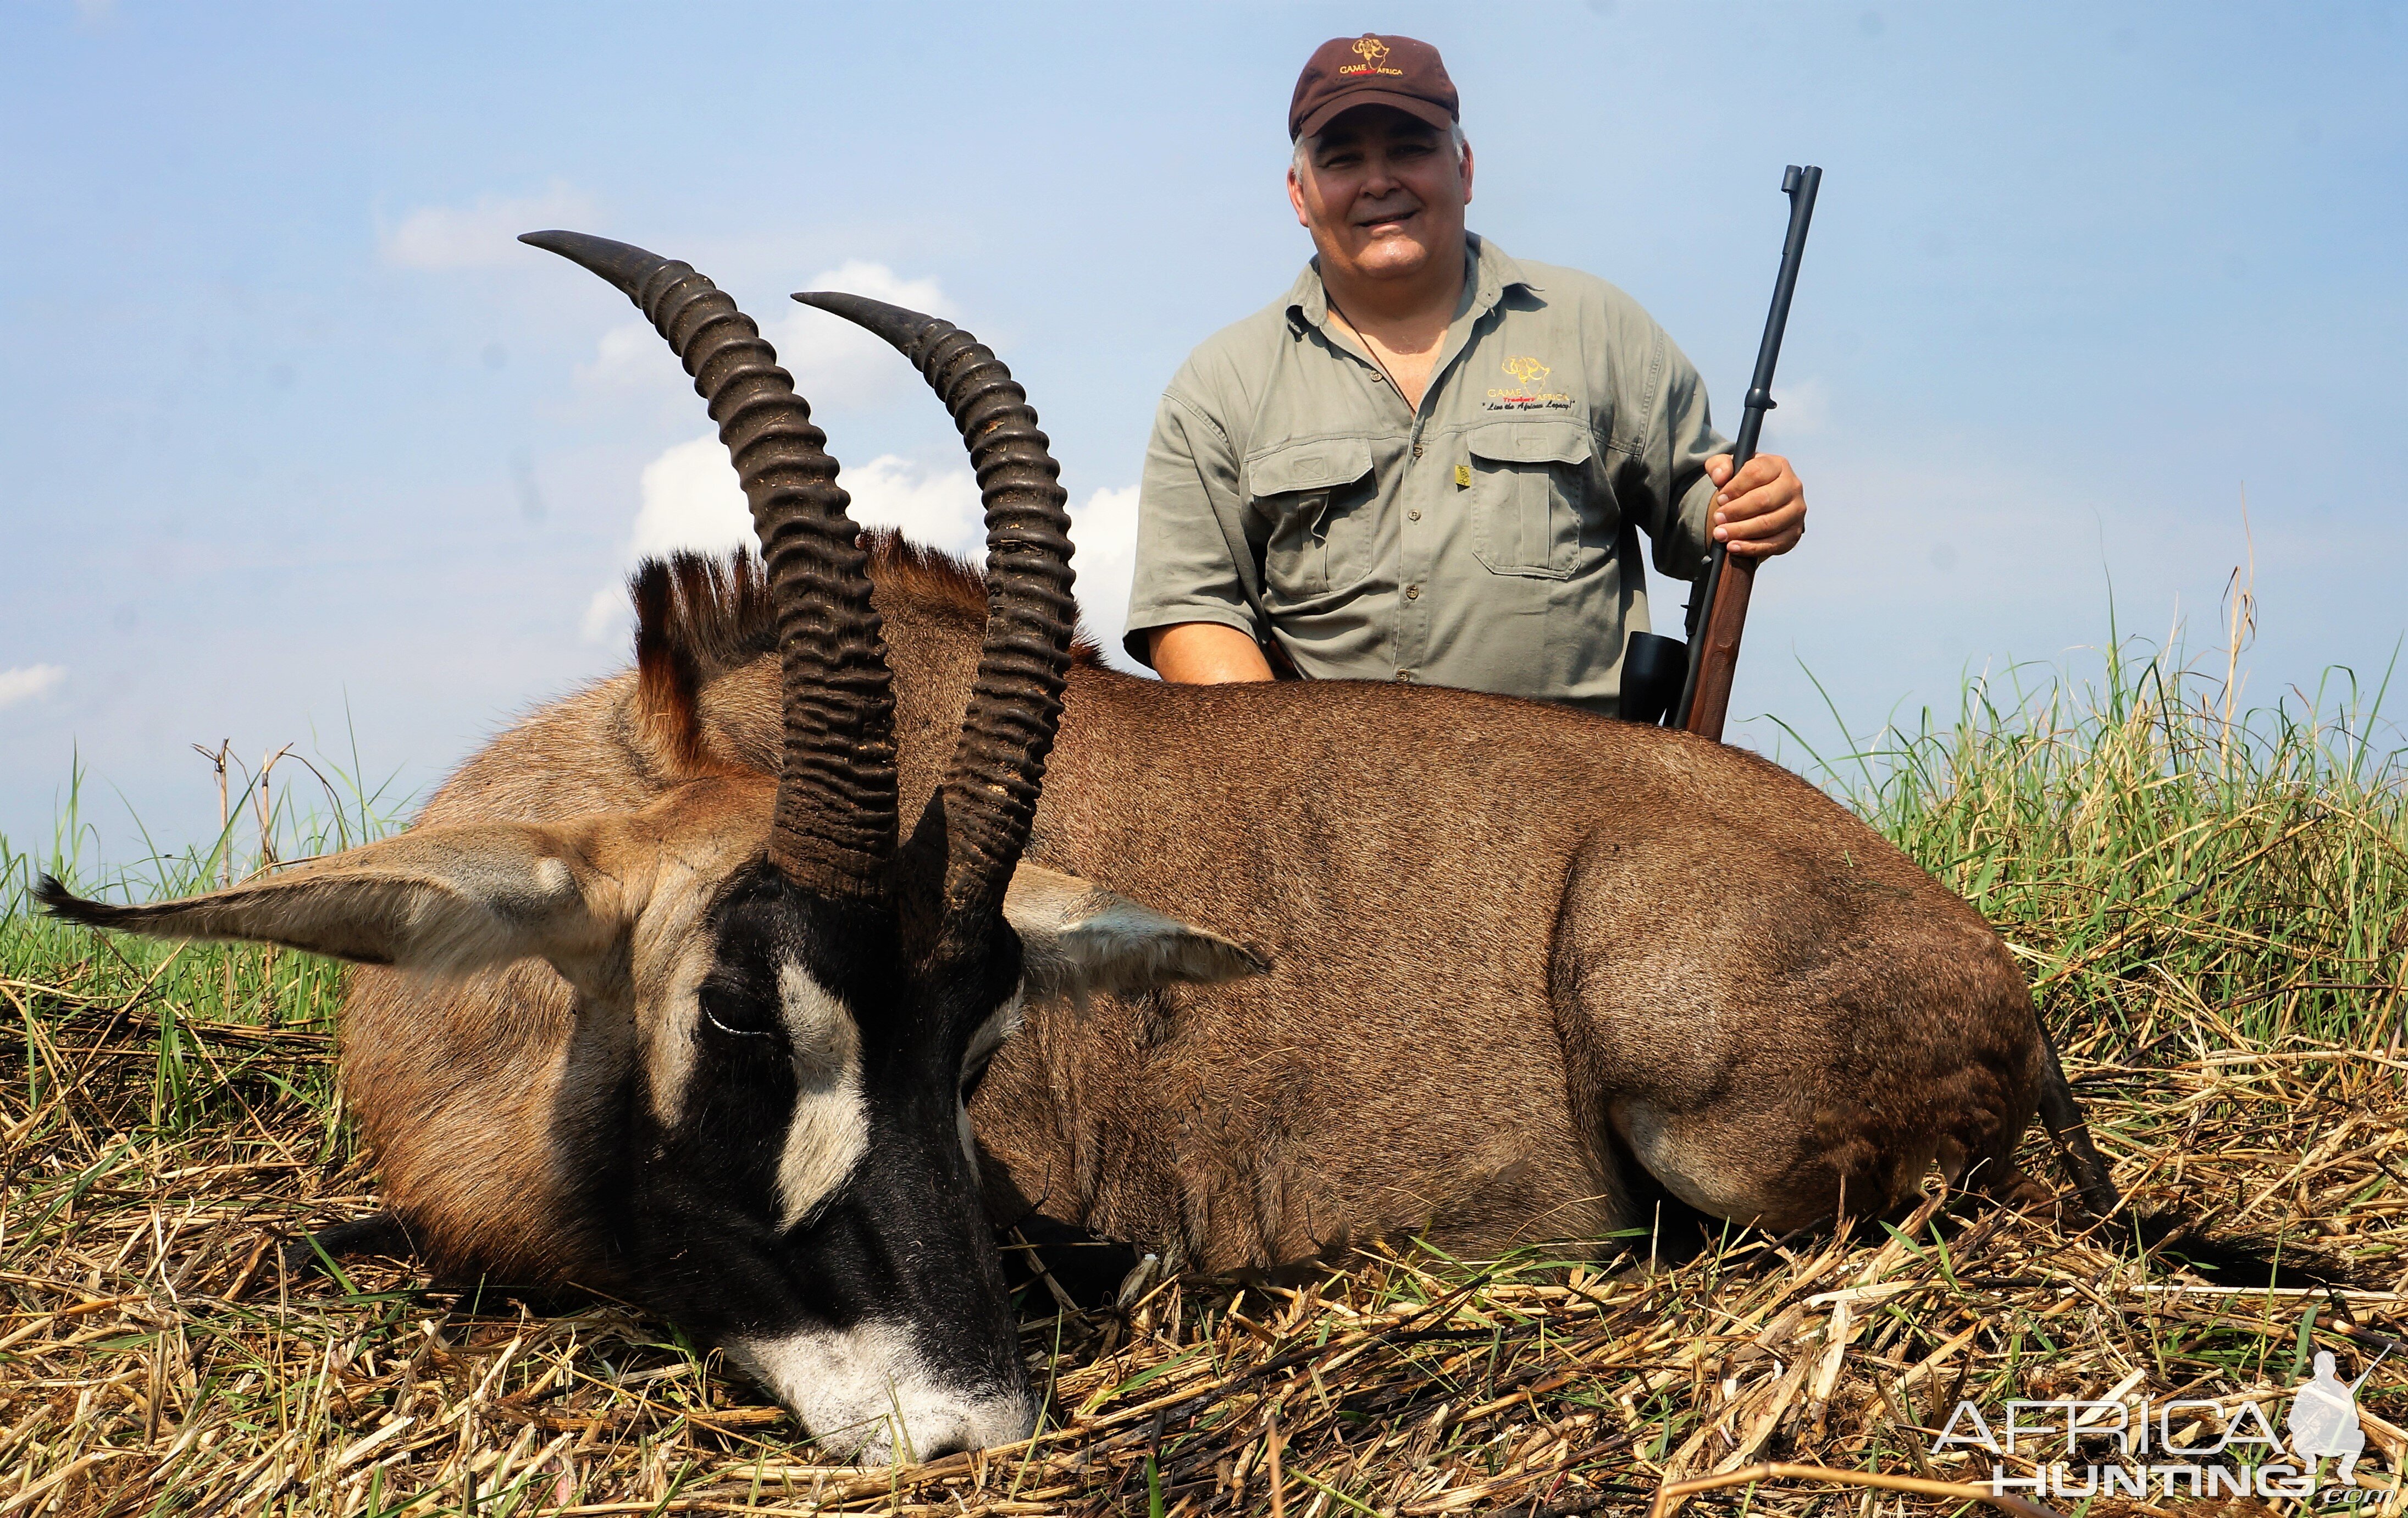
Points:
(1718, 599)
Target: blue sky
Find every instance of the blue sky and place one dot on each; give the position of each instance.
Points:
(297, 446)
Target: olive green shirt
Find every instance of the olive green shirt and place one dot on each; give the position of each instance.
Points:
(1488, 540)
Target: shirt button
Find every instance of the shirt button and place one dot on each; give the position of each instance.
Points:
(1418, 450)
(1412, 516)
(1412, 592)
(1405, 676)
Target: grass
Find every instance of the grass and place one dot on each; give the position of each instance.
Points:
(2213, 903)
(2165, 862)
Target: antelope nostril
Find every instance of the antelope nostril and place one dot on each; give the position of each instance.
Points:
(952, 1441)
(919, 1441)
(980, 1424)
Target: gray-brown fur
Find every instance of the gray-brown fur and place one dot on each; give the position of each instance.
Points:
(1509, 943)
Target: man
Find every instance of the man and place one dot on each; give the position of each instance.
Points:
(1429, 462)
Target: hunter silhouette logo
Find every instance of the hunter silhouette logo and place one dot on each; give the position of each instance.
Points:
(1374, 54)
(1528, 370)
(2324, 1419)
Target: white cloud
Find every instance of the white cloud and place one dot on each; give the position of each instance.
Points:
(831, 359)
(690, 499)
(630, 355)
(938, 508)
(454, 236)
(942, 510)
(864, 277)
(607, 614)
(1799, 411)
(1105, 531)
(26, 682)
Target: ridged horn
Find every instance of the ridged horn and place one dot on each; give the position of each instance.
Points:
(833, 830)
(998, 764)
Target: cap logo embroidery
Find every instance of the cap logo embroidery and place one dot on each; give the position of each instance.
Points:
(1374, 54)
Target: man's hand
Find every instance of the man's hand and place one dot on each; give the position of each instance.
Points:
(1760, 513)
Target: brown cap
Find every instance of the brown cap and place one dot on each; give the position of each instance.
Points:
(1371, 70)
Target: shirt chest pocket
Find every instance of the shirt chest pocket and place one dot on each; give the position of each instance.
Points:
(1318, 499)
(1526, 479)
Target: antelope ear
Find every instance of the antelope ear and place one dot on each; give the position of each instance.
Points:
(1077, 938)
(447, 900)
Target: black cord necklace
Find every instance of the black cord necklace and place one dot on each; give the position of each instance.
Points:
(1369, 348)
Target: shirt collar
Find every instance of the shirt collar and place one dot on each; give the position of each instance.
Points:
(1492, 273)
(1499, 272)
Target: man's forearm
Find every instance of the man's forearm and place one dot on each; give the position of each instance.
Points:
(1205, 654)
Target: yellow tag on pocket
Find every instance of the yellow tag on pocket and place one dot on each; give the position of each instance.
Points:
(1463, 476)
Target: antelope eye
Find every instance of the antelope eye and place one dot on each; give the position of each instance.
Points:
(731, 1009)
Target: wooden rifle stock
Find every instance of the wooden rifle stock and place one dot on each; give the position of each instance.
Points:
(1718, 613)
(1715, 656)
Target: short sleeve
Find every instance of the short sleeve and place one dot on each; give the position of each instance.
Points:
(1680, 439)
(1190, 526)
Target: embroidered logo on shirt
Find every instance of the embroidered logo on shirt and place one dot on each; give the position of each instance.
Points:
(1374, 54)
(1526, 395)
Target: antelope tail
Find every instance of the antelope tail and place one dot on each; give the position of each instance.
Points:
(2062, 1117)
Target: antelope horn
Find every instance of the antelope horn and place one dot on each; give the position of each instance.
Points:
(833, 830)
(999, 765)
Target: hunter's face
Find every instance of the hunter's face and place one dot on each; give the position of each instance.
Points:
(1383, 194)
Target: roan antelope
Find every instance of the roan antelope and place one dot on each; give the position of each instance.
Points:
(670, 1010)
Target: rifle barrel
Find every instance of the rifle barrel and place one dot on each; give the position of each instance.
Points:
(1719, 613)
